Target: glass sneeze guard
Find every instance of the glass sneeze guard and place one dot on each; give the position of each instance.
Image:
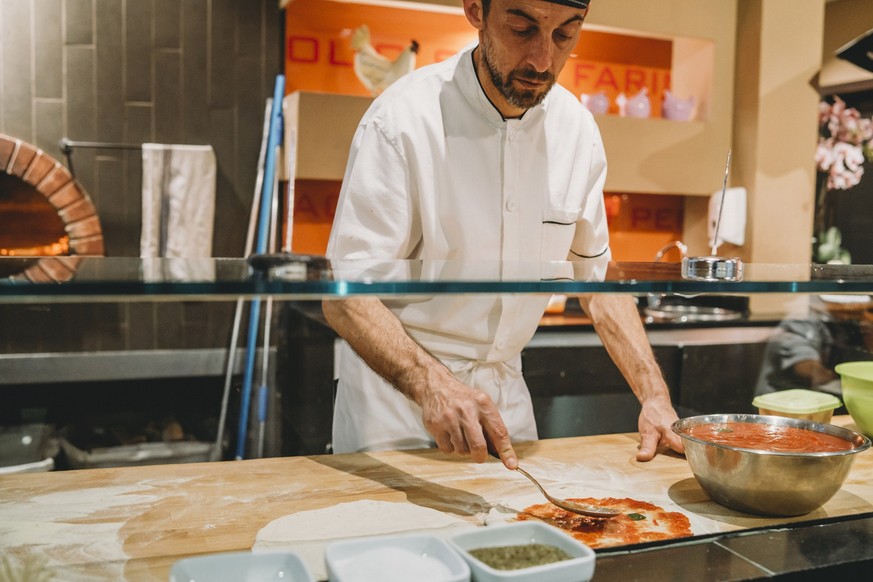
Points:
(114, 279)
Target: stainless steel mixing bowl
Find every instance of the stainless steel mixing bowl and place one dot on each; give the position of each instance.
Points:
(768, 483)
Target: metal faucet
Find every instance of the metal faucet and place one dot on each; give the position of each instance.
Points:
(677, 244)
(654, 299)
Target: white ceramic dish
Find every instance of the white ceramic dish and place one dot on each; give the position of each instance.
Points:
(403, 558)
(579, 568)
(241, 567)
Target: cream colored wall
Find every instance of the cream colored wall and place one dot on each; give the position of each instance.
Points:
(776, 128)
(319, 127)
(845, 20)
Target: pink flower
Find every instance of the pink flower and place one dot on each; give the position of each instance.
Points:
(845, 139)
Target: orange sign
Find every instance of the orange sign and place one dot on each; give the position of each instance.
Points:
(319, 57)
(318, 52)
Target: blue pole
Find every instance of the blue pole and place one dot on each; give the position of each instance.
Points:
(263, 231)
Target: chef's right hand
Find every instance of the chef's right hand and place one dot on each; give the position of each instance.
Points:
(463, 421)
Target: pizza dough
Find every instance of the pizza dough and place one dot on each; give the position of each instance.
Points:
(639, 522)
(508, 509)
(308, 532)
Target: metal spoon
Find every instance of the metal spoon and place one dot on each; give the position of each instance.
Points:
(572, 506)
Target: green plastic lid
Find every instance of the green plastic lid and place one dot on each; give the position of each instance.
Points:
(797, 401)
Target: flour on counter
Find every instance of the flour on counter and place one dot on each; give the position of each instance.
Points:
(69, 528)
(308, 532)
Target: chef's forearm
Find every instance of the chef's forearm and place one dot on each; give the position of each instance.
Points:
(617, 322)
(378, 337)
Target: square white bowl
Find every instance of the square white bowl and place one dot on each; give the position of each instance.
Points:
(400, 558)
(579, 568)
(241, 567)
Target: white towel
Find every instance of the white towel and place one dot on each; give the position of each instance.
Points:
(732, 228)
(178, 200)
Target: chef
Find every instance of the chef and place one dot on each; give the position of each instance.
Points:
(481, 157)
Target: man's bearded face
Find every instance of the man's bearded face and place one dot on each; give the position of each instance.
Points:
(503, 79)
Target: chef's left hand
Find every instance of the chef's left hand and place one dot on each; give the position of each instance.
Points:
(656, 418)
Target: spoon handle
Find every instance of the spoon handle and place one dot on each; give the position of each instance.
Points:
(572, 506)
(535, 482)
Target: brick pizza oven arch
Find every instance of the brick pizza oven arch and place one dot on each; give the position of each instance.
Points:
(49, 178)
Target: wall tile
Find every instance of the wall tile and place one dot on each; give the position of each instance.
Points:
(194, 66)
(150, 85)
(49, 125)
(143, 322)
(109, 173)
(81, 99)
(138, 129)
(139, 20)
(138, 122)
(168, 23)
(222, 41)
(168, 92)
(48, 52)
(16, 92)
(249, 31)
(84, 168)
(30, 323)
(228, 195)
(105, 330)
(79, 22)
(273, 45)
(110, 78)
(250, 121)
(224, 141)
(170, 333)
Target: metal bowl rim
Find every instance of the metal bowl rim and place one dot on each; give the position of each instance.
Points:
(830, 429)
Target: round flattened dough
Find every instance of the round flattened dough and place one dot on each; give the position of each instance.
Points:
(308, 532)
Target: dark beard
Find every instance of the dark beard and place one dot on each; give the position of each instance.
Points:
(521, 98)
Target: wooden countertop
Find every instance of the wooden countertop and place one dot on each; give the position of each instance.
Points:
(133, 523)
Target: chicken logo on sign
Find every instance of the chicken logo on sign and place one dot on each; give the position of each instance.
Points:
(377, 71)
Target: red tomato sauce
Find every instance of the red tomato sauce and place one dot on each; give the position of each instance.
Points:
(769, 437)
(641, 522)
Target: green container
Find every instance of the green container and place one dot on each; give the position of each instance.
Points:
(857, 382)
(798, 403)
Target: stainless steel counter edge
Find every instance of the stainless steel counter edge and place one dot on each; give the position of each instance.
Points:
(660, 337)
(47, 368)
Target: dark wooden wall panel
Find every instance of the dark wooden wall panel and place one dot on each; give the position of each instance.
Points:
(134, 71)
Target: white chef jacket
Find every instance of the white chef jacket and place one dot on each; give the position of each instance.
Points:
(435, 173)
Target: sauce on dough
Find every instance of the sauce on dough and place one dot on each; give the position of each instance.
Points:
(620, 530)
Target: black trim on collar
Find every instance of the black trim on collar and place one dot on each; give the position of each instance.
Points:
(600, 254)
(476, 74)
